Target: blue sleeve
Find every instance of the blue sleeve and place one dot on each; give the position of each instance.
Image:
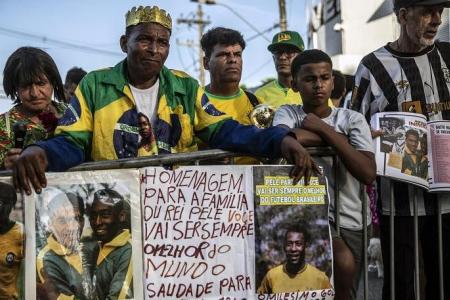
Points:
(61, 153)
(246, 139)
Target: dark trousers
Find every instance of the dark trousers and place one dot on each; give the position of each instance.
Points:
(404, 256)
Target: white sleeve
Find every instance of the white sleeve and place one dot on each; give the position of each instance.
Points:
(359, 133)
(285, 115)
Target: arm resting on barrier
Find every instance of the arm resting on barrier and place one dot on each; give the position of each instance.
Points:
(235, 137)
(308, 138)
(62, 154)
(271, 142)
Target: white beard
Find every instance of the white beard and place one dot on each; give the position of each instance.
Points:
(426, 42)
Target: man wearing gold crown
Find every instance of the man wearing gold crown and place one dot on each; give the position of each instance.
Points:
(102, 120)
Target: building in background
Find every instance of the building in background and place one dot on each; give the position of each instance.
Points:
(348, 30)
(444, 31)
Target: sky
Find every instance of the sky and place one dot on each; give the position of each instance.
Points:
(86, 33)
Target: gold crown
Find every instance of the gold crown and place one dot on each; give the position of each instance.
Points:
(148, 14)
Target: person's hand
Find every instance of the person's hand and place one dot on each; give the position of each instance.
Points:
(314, 123)
(376, 133)
(30, 167)
(11, 156)
(297, 155)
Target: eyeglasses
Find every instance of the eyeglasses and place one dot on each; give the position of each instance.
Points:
(289, 52)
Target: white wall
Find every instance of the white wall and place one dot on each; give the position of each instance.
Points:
(444, 29)
(357, 36)
(361, 37)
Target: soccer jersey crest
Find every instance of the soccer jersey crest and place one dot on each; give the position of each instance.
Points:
(446, 73)
(402, 84)
(10, 258)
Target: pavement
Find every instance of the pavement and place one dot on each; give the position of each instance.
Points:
(375, 287)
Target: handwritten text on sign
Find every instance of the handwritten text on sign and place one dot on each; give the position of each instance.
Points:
(198, 225)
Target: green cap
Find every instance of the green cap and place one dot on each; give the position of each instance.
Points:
(290, 38)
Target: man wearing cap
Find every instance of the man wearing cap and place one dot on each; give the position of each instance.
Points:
(284, 48)
(286, 45)
(102, 120)
(114, 271)
(412, 71)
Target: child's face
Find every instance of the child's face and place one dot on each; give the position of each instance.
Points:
(314, 82)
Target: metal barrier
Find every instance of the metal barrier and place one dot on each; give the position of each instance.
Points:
(196, 157)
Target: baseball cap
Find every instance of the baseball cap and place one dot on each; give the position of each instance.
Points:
(291, 38)
(408, 3)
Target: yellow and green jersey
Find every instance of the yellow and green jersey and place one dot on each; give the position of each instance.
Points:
(11, 256)
(60, 271)
(239, 108)
(275, 95)
(114, 271)
(277, 280)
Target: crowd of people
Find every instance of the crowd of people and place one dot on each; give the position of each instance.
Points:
(163, 111)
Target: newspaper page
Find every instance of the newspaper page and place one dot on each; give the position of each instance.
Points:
(198, 232)
(12, 242)
(402, 151)
(438, 154)
(293, 249)
(84, 237)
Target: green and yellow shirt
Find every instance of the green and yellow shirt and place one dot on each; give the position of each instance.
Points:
(277, 280)
(11, 256)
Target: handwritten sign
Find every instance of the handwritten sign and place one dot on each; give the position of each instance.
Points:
(198, 232)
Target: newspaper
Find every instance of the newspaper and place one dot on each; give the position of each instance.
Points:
(413, 150)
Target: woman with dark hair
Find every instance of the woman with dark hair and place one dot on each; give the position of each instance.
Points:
(30, 78)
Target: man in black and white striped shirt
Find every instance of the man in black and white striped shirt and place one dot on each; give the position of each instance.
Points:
(411, 73)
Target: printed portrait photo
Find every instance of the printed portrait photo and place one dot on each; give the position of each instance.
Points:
(83, 242)
(292, 245)
(393, 139)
